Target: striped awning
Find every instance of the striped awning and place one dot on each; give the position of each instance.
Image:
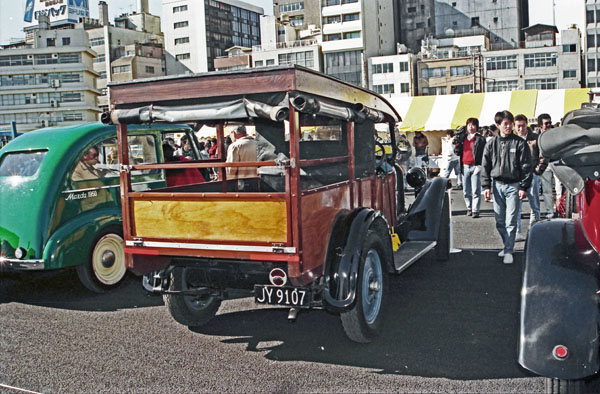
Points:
(451, 111)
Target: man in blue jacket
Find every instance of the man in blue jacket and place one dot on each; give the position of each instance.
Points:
(506, 161)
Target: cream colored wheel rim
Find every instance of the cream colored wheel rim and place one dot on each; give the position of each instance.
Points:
(108, 259)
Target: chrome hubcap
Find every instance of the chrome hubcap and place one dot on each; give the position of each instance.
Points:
(372, 285)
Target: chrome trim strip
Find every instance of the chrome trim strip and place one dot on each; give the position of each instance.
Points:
(409, 262)
(22, 264)
(236, 248)
(108, 187)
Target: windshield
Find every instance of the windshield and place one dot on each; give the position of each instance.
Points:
(24, 164)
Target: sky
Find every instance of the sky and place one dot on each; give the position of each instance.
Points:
(567, 12)
(11, 13)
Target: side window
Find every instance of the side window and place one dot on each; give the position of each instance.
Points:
(97, 162)
(142, 150)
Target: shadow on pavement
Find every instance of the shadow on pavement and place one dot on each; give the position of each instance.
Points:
(455, 319)
(62, 289)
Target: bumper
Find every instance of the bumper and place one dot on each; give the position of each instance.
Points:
(18, 264)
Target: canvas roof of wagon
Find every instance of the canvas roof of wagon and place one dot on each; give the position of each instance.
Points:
(262, 92)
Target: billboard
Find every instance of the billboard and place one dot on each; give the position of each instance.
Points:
(59, 11)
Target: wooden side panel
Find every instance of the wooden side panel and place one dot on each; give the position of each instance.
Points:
(213, 220)
(318, 213)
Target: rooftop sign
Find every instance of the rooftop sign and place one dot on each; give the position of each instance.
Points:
(59, 11)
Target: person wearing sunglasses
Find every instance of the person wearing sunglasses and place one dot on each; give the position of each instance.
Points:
(544, 124)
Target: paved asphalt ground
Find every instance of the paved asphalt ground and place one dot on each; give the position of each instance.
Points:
(451, 327)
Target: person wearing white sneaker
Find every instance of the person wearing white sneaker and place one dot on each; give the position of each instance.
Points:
(506, 167)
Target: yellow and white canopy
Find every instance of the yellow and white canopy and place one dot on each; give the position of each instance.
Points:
(451, 111)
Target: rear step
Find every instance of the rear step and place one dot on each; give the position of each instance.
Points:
(409, 252)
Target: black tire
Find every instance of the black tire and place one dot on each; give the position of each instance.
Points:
(363, 322)
(569, 205)
(105, 267)
(591, 384)
(564, 386)
(442, 248)
(191, 311)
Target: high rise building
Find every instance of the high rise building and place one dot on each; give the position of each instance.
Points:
(48, 80)
(197, 32)
(109, 41)
(415, 20)
(353, 31)
(503, 18)
(592, 43)
(300, 14)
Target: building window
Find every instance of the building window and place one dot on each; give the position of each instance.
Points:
(419, 25)
(544, 59)
(403, 66)
(66, 41)
(436, 72)
(70, 97)
(383, 68)
(258, 63)
(64, 58)
(352, 34)
(384, 89)
(350, 17)
(270, 62)
(50, 42)
(591, 40)
(73, 77)
(349, 1)
(182, 40)
(458, 89)
(411, 9)
(301, 58)
(180, 8)
(183, 56)
(94, 42)
(541, 83)
(102, 75)
(72, 116)
(150, 69)
(569, 47)
(589, 16)
(332, 37)
(299, 5)
(475, 21)
(46, 59)
(591, 65)
(179, 25)
(333, 19)
(570, 74)
(434, 91)
(502, 86)
(345, 65)
(121, 69)
(331, 2)
(297, 20)
(404, 87)
(460, 70)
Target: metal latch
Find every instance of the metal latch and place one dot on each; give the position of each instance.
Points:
(124, 168)
(138, 242)
(278, 248)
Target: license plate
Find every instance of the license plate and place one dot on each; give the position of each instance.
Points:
(287, 296)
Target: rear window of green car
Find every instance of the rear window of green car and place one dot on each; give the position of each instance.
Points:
(25, 164)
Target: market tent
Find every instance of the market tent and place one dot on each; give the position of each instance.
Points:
(426, 113)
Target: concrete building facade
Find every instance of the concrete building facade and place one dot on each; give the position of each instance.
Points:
(197, 32)
(393, 75)
(48, 82)
(592, 43)
(300, 14)
(541, 65)
(415, 20)
(353, 31)
(503, 18)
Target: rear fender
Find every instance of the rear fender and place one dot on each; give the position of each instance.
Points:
(559, 304)
(424, 214)
(70, 244)
(343, 255)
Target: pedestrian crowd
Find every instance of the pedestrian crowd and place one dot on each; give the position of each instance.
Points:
(502, 163)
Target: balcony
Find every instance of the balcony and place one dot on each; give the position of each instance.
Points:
(285, 45)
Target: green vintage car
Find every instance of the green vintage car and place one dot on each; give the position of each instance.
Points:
(60, 198)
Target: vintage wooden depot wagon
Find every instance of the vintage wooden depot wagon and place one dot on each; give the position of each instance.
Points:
(319, 224)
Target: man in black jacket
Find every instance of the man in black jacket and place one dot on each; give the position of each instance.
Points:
(468, 146)
(506, 161)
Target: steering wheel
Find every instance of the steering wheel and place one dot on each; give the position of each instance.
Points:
(379, 151)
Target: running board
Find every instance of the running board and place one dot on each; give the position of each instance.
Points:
(409, 252)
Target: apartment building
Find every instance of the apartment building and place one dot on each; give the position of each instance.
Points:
(354, 31)
(542, 64)
(48, 81)
(393, 75)
(197, 32)
(415, 20)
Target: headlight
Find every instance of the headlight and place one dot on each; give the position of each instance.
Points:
(20, 253)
